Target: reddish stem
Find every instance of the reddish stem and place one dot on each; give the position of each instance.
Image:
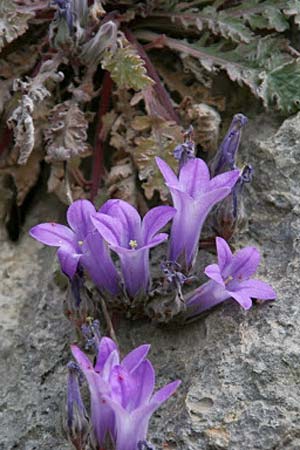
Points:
(98, 156)
(6, 139)
(159, 88)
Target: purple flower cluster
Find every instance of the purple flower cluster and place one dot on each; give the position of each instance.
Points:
(121, 391)
(118, 224)
(121, 394)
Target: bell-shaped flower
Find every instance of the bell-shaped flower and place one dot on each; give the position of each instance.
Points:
(131, 238)
(80, 244)
(122, 399)
(230, 278)
(99, 377)
(134, 403)
(194, 194)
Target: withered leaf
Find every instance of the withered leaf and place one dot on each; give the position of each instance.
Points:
(13, 22)
(159, 141)
(34, 91)
(66, 133)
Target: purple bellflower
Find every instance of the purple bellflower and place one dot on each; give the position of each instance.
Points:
(122, 399)
(80, 244)
(230, 278)
(131, 238)
(194, 194)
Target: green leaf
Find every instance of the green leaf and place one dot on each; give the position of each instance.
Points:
(13, 22)
(292, 8)
(281, 85)
(126, 68)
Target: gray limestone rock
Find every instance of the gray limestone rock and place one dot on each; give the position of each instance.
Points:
(240, 370)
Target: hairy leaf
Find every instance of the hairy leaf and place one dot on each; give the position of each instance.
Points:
(281, 85)
(160, 140)
(66, 133)
(13, 22)
(34, 92)
(247, 64)
(126, 68)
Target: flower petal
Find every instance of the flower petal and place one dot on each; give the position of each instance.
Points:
(53, 234)
(258, 289)
(225, 180)
(244, 264)
(154, 220)
(194, 177)
(224, 253)
(144, 381)
(167, 172)
(242, 298)
(79, 217)
(97, 261)
(130, 221)
(135, 357)
(106, 347)
(213, 272)
(68, 259)
(164, 393)
(109, 227)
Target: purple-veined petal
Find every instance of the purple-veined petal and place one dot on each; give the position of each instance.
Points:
(242, 298)
(156, 240)
(135, 357)
(194, 177)
(135, 270)
(109, 227)
(101, 415)
(165, 392)
(106, 347)
(213, 272)
(131, 428)
(167, 172)
(188, 221)
(224, 253)
(130, 221)
(112, 361)
(53, 234)
(225, 180)
(68, 260)
(154, 220)
(205, 297)
(257, 289)
(144, 381)
(122, 386)
(106, 207)
(244, 264)
(79, 217)
(81, 358)
(97, 261)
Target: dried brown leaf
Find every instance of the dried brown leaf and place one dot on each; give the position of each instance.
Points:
(34, 91)
(13, 22)
(66, 133)
(120, 181)
(206, 123)
(159, 141)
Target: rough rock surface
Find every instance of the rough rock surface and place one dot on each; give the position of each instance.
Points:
(240, 370)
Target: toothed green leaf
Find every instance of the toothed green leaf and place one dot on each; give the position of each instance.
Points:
(126, 68)
(281, 86)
